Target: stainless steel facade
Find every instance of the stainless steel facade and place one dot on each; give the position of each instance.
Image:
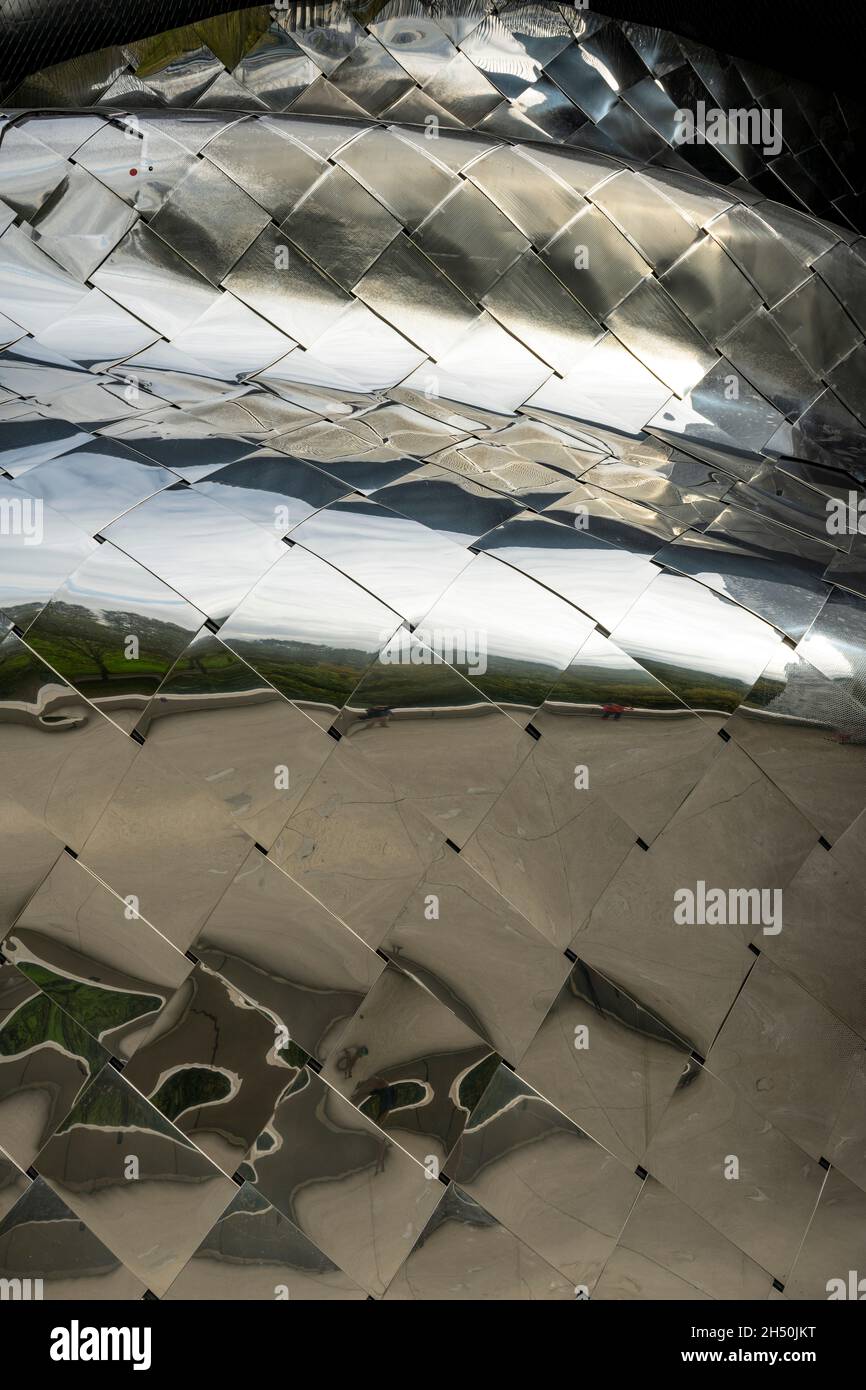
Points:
(432, 657)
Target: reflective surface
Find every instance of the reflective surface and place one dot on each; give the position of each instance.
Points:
(431, 521)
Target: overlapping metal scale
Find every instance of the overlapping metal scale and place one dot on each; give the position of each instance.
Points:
(430, 555)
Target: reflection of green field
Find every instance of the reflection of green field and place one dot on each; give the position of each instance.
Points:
(106, 1105)
(39, 1021)
(513, 682)
(91, 656)
(699, 691)
(215, 671)
(101, 676)
(596, 685)
(665, 688)
(189, 1088)
(90, 652)
(403, 685)
(321, 675)
(97, 1009)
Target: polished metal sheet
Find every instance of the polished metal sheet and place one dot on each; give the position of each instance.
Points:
(603, 580)
(94, 484)
(197, 546)
(145, 276)
(357, 535)
(218, 720)
(432, 655)
(561, 1193)
(532, 304)
(408, 1063)
(179, 1192)
(275, 630)
(340, 226)
(731, 555)
(32, 574)
(614, 1092)
(704, 1113)
(235, 220)
(469, 239)
(349, 1188)
(313, 974)
(591, 242)
(410, 699)
(74, 938)
(284, 168)
(39, 1085)
(529, 635)
(281, 285)
(86, 223)
(41, 1238)
(254, 1252)
(406, 288)
(85, 637)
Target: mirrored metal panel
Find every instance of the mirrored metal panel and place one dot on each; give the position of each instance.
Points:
(432, 658)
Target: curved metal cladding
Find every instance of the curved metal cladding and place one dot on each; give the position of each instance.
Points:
(432, 668)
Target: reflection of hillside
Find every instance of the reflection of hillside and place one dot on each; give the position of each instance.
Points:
(416, 687)
(512, 680)
(699, 690)
(306, 670)
(588, 685)
(88, 647)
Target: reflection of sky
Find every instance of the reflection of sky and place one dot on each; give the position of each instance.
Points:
(601, 580)
(680, 622)
(827, 656)
(303, 599)
(517, 619)
(111, 582)
(381, 547)
(201, 548)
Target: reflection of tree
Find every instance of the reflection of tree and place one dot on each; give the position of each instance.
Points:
(207, 667)
(92, 649)
(89, 645)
